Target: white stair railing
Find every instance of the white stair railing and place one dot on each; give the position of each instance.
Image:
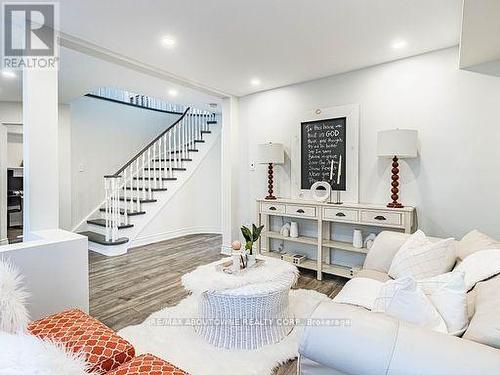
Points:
(151, 169)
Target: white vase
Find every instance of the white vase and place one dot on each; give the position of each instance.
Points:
(294, 229)
(357, 239)
(251, 259)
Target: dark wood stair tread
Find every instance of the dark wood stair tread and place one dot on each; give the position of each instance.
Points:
(101, 239)
(199, 141)
(189, 149)
(122, 199)
(206, 132)
(156, 178)
(102, 223)
(173, 160)
(122, 212)
(147, 189)
(162, 169)
(211, 122)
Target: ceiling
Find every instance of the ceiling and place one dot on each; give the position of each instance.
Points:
(223, 44)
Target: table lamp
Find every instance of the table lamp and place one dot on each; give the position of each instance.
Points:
(270, 153)
(396, 144)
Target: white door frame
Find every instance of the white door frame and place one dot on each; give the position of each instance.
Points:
(3, 184)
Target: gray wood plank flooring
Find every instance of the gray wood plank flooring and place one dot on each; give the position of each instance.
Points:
(126, 289)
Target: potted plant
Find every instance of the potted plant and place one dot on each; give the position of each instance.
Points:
(251, 236)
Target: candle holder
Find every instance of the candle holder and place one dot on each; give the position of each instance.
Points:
(337, 196)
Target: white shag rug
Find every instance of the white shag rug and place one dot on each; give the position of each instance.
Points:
(14, 315)
(181, 345)
(24, 354)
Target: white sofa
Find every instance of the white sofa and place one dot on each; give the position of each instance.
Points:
(374, 343)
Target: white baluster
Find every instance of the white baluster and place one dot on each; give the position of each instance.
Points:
(143, 172)
(125, 217)
(137, 184)
(149, 174)
(164, 159)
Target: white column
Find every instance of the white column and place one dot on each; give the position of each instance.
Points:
(3, 185)
(41, 172)
(229, 162)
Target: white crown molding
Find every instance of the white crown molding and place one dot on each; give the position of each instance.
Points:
(87, 48)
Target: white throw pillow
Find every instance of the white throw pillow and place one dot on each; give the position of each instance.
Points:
(480, 266)
(448, 294)
(475, 241)
(419, 258)
(402, 299)
(359, 291)
(14, 316)
(24, 354)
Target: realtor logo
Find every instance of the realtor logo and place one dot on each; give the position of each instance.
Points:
(30, 35)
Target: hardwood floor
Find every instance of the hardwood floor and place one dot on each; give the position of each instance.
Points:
(126, 289)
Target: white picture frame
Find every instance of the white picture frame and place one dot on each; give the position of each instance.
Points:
(351, 113)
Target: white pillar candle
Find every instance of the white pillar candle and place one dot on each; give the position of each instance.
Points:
(331, 170)
(339, 173)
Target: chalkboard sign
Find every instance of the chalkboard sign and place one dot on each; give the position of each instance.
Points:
(322, 142)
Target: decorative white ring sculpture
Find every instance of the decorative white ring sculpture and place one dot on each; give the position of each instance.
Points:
(321, 191)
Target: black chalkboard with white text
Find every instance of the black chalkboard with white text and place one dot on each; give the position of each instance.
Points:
(323, 152)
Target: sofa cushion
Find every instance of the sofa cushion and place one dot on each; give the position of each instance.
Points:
(373, 274)
(147, 364)
(404, 300)
(385, 246)
(479, 266)
(77, 331)
(475, 241)
(420, 258)
(485, 324)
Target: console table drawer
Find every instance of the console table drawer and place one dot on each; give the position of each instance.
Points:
(382, 217)
(340, 214)
(301, 210)
(272, 208)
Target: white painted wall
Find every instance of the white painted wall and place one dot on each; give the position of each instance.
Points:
(55, 270)
(454, 183)
(13, 112)
(104, 136)
(195, 208)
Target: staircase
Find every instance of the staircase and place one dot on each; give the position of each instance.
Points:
(139, 189)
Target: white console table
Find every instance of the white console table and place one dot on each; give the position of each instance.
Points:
(326, 216)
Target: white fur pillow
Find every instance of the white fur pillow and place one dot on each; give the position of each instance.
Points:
(419, 258)
(14, 316)
(24, 354)
(404, 300)
(448, 295)
(480, 266)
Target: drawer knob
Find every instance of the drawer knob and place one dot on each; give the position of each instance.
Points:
(300, 211)
(272, 208)
(379, 217)
(340, 214)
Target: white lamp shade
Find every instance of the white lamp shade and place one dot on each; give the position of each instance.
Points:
(397, 142)
(271, 153)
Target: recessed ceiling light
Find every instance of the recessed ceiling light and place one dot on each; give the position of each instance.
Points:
(172, 92)
(168, 41)
(398, 44)
(8, 74)
(255, 82)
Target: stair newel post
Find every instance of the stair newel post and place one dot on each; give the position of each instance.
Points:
(185, 142)
(177, 145)
(107, 208)
(136, 182)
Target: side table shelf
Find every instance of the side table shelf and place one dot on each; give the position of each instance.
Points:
(326, 216)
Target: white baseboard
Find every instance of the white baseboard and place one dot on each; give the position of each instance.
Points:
(146, 240)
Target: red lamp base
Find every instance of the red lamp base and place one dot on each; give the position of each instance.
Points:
(395, 185)
(270, 196)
